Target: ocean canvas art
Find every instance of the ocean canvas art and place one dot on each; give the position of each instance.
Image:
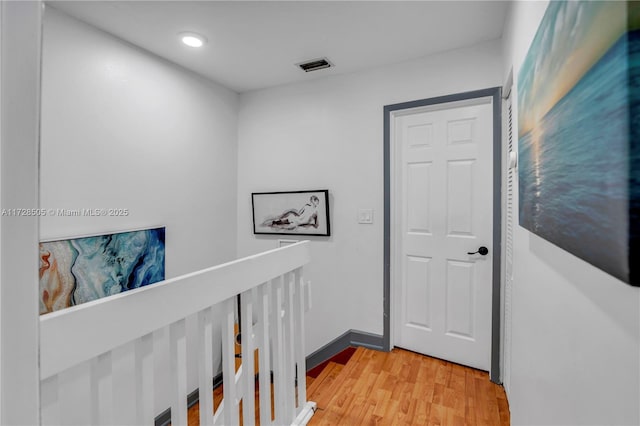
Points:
(578, 133)
(80, 270)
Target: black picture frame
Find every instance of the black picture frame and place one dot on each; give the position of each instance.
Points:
(291, 213)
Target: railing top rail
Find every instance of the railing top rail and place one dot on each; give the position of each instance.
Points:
(76, 334)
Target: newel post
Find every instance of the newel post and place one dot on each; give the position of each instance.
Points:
(20, 38)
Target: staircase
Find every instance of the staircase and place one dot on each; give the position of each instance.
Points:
(99, 361)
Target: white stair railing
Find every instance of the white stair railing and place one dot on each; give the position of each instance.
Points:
(97, 359)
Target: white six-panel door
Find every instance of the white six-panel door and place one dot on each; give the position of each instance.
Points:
(442, 209)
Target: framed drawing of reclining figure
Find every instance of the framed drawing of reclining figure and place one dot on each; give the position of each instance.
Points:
(291, 213)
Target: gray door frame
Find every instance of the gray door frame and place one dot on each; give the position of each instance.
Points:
(496, 94)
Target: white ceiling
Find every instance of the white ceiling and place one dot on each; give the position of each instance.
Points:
(255, 44)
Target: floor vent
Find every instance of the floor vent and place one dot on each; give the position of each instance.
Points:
(315, 65)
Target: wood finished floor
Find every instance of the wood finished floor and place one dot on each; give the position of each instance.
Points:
(404, 388)
(400, 388)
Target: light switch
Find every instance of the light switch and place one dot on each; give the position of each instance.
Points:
(365, 216)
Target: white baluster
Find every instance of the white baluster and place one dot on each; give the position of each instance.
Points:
(145, 413)
(299, 339)
(123, 368)
(124, 385)
(307, 291)
(102, 390)
(278, 351)
(248, 373)
(205, 366)
(163, 378)
(74, 386)
(178, 362)
(229, 364)
(264, 376)
(218, 418)
(290, 350)
(49, 403)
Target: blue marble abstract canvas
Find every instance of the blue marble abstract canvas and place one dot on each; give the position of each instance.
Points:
(80, 270)
(578, 117)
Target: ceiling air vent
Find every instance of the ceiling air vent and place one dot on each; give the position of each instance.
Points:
(315, 65)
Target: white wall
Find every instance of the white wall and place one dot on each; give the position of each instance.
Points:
(328, 134)
(122, 128)
(20, 37)
(576, 330)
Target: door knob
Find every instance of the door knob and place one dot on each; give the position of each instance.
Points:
(482, 250)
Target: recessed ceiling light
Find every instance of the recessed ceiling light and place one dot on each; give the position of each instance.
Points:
(193, 39)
